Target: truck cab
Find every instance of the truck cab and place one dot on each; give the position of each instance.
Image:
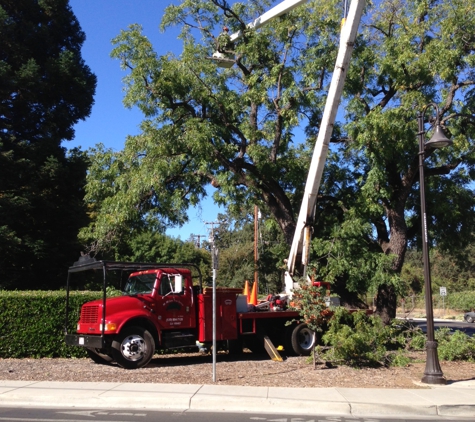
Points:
(157, 310)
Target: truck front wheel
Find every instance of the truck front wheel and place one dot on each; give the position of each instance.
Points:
(302, 340)
(133, 347)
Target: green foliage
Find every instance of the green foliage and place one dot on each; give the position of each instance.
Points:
(345, 255)
(452, 346)
(461, 301)
(418, 341)
(32, 323)
(358, 339)
(45, 90)
(454, 269)
(144, 244)
(112, 291)
(156, 247)
(398, 67)
(236, 253)
(455, 346)
(399, 358)
(234, 238)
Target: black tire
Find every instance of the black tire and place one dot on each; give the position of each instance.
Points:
(98, 357)
(303, 340)
(469, 318)
(133, 347)
(289, 350)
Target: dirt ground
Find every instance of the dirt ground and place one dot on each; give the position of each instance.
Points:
(245, 370)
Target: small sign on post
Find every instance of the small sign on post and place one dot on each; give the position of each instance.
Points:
(443, 293)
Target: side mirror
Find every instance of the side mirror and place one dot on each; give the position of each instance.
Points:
(178, 283)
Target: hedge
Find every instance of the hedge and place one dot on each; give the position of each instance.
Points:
(32, 323)
(461, 301)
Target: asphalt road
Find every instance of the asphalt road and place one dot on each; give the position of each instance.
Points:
(466, 327)
(81, 415)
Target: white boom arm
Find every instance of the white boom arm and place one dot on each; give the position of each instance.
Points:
(224, 60)
(301, 242)
(280, 9)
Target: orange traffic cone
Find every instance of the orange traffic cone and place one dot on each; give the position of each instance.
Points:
(253, 299)
(246, 291)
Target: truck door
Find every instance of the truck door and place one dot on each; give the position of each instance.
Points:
(174, 302)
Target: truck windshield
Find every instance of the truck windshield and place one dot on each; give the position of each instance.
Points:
(141, 283)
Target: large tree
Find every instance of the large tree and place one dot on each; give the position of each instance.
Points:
(235, 128)
(232, 129)
(413, 54)
(45, 88)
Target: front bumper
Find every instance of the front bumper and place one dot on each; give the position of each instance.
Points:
(87, 341)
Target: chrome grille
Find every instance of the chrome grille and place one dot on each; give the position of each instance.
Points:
(89, 314)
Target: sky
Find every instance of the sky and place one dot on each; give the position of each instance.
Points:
(110, 122)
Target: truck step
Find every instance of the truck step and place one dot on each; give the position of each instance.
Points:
(178, 339)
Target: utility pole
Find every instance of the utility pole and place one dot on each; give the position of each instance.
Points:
(256, 251)
(196, 239)
(211, 235)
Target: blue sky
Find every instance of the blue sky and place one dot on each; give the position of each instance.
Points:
(110, 122)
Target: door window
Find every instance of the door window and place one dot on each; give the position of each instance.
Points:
(165, 285)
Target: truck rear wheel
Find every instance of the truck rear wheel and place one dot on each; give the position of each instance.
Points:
(98, 357)
(133, 347)
(289, 350)
(302, 340)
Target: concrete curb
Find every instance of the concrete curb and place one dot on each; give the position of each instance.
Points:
(441, 401)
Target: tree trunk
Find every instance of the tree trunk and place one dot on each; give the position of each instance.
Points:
(386, 303)
(396, 245)
(281, 208)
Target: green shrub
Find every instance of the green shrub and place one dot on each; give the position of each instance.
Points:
(456, 346)
(451, 346)
(400, 358)
(461, 301)
(357, 339)
(32, 323)
(417, 342)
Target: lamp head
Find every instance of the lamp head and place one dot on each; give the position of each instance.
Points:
(438, 139)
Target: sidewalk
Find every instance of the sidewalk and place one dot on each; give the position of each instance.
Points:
(456, 399)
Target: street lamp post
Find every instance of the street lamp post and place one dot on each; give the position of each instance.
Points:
(433, 373)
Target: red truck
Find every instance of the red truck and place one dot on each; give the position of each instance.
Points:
(164, 308)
